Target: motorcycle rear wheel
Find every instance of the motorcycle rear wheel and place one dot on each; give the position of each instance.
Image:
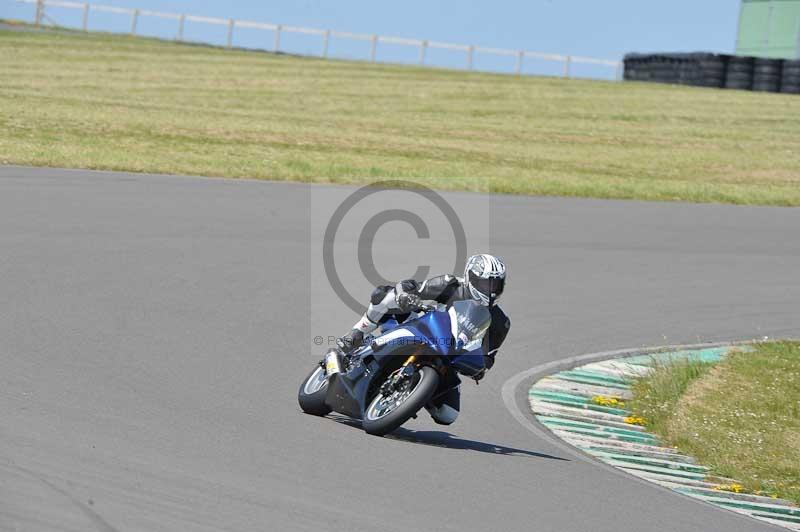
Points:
(311, 395)
(383, 416)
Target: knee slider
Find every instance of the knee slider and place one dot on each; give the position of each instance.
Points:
(444, 414)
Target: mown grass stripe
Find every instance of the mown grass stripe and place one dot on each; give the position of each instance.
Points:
(358, 121)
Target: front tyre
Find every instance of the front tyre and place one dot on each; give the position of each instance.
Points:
(311, 395)
(386, 413)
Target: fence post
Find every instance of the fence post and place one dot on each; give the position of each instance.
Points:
(374, 50)
(325, 40)
(181, 22)
(620, 71)
(278, 38)
(470, 54)
(85, 24)
(39, 12)
(520, 56)
(231, 23)
(567, 65)
(134, 21)
(423, 47)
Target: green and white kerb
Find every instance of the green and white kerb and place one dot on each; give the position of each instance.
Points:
(585, 407)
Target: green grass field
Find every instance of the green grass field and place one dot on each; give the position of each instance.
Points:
(119, 103)
(741, 417)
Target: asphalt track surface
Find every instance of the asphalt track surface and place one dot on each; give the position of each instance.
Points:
(154, 330)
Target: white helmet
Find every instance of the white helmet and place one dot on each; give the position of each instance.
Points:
(485, 276)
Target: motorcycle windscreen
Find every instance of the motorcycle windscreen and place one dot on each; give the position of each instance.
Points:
(469, 322)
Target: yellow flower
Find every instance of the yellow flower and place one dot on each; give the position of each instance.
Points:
(735, 488)
(635, 420)
(608, 401)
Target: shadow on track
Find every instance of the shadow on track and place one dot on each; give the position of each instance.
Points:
(438, 438)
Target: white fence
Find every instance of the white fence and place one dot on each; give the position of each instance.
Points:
(567, 61)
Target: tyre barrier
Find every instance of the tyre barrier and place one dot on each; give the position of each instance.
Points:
(700, 69)
(715, 70)
(790, 76)
(739, 74)
(767, 74)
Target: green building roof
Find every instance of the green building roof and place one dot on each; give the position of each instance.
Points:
(769, 28)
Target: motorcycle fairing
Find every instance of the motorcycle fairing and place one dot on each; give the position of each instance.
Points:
(433, 331)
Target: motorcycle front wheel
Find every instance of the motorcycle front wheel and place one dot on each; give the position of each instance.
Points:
(311, 395)
(386, 413)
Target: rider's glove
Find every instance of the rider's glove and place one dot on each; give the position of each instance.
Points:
(350, 341)
(408, 302)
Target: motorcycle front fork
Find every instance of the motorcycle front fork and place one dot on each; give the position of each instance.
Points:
(405, 372)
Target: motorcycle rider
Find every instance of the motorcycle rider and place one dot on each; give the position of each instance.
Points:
(483, 281)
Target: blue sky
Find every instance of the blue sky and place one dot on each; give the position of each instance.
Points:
(606, 29)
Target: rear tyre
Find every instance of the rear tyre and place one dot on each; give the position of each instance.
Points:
(311, 395)
(383, 415)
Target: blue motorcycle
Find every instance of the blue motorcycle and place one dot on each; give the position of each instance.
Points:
(402, 369)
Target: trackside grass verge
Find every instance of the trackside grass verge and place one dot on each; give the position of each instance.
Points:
(740, 417)
(114, 102)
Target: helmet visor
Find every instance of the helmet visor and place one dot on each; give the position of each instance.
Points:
(491, 287)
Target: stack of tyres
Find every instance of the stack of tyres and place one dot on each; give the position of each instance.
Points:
(716, 70)
(739, 74)
(634, 67)
(699, 69)
(667, 70)
(790, 76)
(706, 70)
(767, 74)
(638, 67)
(688, 71)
